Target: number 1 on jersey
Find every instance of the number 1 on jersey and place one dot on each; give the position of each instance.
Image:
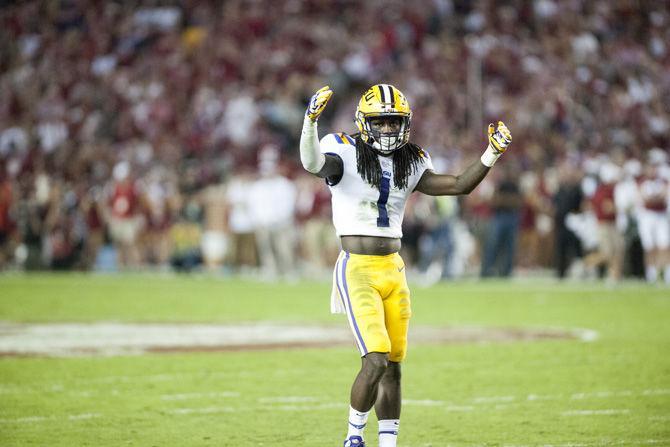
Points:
(385, 187)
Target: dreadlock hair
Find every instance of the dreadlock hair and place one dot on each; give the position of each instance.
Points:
(406, 161)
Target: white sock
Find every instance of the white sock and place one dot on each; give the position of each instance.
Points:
(666, 274)
(357, 421)
(388, 432)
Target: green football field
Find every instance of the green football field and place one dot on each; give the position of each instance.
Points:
(612, 390)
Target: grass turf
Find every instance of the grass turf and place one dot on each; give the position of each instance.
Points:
(614, 391)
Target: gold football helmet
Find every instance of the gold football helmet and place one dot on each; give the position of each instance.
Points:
(383, 100)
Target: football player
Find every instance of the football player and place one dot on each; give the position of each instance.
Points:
(371, 175)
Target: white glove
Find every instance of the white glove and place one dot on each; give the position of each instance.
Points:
(318, 103)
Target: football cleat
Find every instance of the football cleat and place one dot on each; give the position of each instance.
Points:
(354, 441)
(383, 100)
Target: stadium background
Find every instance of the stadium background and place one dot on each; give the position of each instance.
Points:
(185, 100)
(136, 138)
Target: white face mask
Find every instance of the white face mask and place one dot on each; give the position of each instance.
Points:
(387, 144)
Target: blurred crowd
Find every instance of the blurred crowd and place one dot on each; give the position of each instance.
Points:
(142, 134)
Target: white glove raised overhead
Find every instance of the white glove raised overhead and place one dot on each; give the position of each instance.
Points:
(318, 103)
(310, 155)
(499, 140)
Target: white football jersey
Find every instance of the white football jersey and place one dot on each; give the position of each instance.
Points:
(358, 207)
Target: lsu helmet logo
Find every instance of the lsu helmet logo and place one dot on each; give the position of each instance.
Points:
(378, 101)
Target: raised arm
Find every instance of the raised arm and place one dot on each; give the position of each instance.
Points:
(434, 184)
(310, 153)
(452, 185)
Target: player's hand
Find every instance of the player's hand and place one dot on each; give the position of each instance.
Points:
(318, 103)
(499, 138)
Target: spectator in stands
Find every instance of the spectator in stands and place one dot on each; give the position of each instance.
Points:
(500, 248)
(319, 246)
(159, 203)
(568, 199)
(626, 200)
(243, 252)
(437, 245)
(186, 236)
(214, 244)
(6, 221)
(535, 221)
(86, 85)
(273, 203)
(91, 209)
(124, 216)
(652, 217)
(610, 238)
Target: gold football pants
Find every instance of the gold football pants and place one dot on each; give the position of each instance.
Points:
(373, 290)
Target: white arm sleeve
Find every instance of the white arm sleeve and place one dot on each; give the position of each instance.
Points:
(310, 151)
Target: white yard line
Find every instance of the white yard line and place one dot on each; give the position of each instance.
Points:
(77, 417)
(605, 412)
(493, 400)
(656, 392)
(601, 395)
(25, 420)
(202, 410)
(188, 396)
(540, 397)
(316, 407)
(459, 408)
(605, 394)
(310, 403)
(423, 402)
(314, 403)
(34, 419)
(287, 399)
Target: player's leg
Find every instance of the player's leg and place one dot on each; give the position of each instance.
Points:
(389, 396)
(388, 399)
(397, 311)
(356, 277)
(364, 390)
(387, 407)
(363, 395)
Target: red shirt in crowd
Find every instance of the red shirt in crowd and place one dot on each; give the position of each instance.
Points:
(603, 203)
(5, 204)
(125, 200)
